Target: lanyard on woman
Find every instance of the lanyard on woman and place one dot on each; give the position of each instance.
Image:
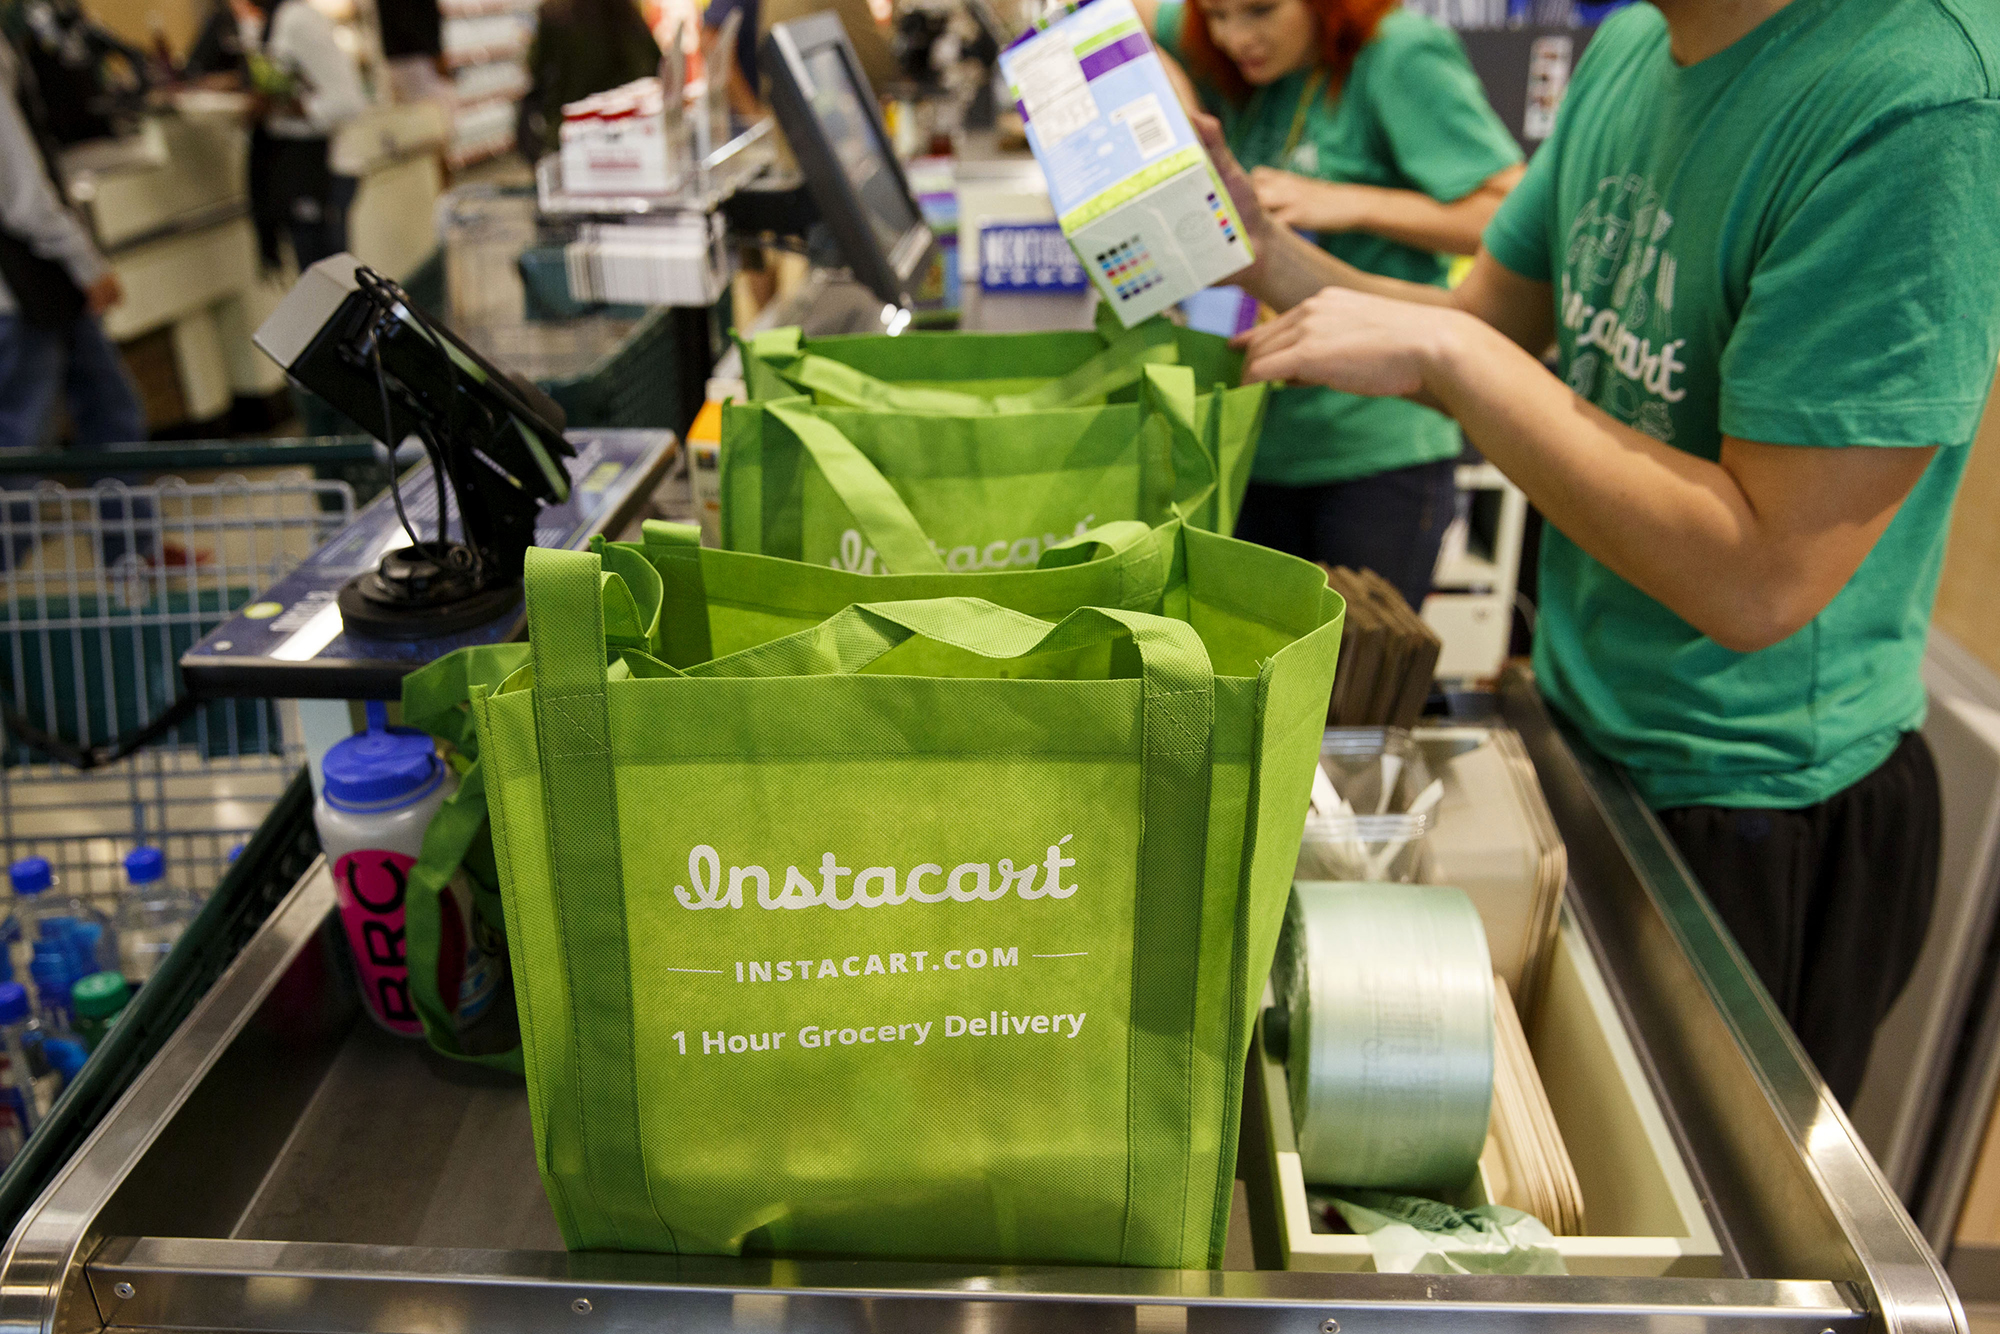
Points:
(1315, 84)
(1297, 132)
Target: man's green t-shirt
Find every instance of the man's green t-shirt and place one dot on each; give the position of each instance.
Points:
(1412, 116)
(1797, 242)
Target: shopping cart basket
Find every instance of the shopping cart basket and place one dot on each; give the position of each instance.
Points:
(102, 588)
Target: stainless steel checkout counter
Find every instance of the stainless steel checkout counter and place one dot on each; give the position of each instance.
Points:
(283, 1165)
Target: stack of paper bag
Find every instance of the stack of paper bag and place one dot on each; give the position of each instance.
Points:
(1526, 1164)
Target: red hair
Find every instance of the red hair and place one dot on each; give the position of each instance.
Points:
(1344, 28)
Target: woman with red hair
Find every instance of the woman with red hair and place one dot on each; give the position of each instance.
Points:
(1365, 126)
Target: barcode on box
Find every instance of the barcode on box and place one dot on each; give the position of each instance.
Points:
(1148, 124)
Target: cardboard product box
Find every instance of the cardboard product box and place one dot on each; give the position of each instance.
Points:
(1133, 189)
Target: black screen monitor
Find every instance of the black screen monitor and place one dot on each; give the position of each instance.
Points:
(828, 113)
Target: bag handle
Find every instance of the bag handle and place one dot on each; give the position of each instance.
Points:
(884, 520)
(841, 385)
(1125, 355)
(1120, 364)
(856, 636)
(580, 813)
(1169, 409)
(1178, 687)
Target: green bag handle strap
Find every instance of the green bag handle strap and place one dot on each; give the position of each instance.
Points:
(1140, 557)
(674, 549)
(580, 812)
(435, 695)
(856, 636)
(1178, 686)
(1175, 416)
(884, 521)
(1121, 363)
(453, 833)
(841, 385)
(632, 593)
(1104, 542)
(1105, 320)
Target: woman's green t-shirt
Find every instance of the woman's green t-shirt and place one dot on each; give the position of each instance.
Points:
(1413, 116)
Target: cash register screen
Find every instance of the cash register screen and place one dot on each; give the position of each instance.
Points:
(851, 132)
(826, 109)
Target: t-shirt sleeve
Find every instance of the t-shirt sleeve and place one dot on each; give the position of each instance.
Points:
(1443, 133)
(1518, 235)
(1167, 27)
(1873, 318)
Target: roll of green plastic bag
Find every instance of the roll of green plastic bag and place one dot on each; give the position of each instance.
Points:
(1408, 1234)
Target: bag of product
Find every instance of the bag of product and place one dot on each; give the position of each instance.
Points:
(931, 930)
(979, 374)
(912, 493)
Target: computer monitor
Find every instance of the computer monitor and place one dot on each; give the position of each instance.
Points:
(827, 111)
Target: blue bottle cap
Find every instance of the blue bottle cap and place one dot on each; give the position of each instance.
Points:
(56, 928)
(236, 852)
(145, 865)
(13, 1002)
(30, 875)
(381, 769)
(65, 1057)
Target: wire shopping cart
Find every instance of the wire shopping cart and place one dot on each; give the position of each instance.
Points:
(102, 588)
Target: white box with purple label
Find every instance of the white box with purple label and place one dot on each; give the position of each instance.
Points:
(1132, 187)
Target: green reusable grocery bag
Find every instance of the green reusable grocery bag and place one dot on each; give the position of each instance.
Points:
(688, 604)
(971, 374)
(913, 493)
(930, 931)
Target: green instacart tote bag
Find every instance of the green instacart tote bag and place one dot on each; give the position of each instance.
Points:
(932, 930)
(687, 604)
(916, 493)
(973, 374)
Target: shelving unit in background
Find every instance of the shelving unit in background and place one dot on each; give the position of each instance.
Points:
(1472, 609)
(486, 54)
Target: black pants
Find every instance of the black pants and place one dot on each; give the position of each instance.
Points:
(1391, 523)
(1829, 903)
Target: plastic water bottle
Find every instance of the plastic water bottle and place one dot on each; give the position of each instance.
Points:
(38, 898)
(53, 971)
(96, 1002)
(19, 1034)
(152, 915)
(378, 793)
(31, 878)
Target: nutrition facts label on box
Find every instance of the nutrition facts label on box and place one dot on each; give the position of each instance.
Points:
(1132, 188)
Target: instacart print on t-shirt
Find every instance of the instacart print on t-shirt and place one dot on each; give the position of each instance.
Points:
(1616, 305)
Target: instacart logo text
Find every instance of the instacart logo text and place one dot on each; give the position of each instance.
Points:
(874, 886)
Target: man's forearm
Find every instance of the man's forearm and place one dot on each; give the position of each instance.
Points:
(1682, 529)
(1290, 268)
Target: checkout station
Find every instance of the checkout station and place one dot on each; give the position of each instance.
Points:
(280, 1162)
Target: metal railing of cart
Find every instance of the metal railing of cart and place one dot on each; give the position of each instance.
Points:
(104, 582)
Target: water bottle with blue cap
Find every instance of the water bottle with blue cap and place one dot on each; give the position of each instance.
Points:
(20, 1043)
(152, 915)
(378, 792)
(39, 898)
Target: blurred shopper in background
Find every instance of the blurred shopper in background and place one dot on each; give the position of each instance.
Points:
(581, 47)
(303, 88)
(55, 285)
